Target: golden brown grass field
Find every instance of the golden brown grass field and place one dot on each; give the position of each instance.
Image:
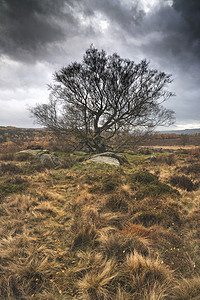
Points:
(94, 231)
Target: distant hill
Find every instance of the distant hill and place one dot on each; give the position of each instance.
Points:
(185, 131)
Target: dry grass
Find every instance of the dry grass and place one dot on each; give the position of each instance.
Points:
(177, 147)
(187, 289)
(91, 231)
(135, 230)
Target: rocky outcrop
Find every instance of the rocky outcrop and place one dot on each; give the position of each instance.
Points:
(43, 157)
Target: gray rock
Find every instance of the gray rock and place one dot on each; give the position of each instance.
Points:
(158, 149)
(151, 158)
(34, 153)
(48, 160)
(109, 158)
(30, 152)
(56, 160)
(105, 160)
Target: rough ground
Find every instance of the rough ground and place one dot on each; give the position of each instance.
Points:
(97, 231)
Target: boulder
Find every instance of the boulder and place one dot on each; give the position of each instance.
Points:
(109, 158)
(48, 160)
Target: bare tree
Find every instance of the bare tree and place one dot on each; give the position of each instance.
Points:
(103, 96)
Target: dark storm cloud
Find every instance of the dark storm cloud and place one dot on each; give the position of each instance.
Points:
(28, 28)
(190, 11)
(28, 25)
(178, 27)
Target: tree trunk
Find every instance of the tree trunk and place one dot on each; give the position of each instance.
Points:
(99, 144)
(100, 148)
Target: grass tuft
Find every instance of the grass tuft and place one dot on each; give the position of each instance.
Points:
(97, 284)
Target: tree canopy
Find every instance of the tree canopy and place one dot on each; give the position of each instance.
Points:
(102, 96)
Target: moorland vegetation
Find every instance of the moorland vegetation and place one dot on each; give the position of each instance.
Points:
(85, 230)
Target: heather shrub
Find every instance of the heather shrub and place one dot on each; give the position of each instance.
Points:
(145, 151)
(16, 180)
(195, 152)
(143, 177)
(183, 182)
(151, 211)
(117, 201)
(67, 162)
(10, 168)
(91, 178)
(150, 186)
(191, 169)
(7, 156)
(32, 167)
(109, 184)
(155, 189)
(169, 160)
(9, 188)
(24, 156)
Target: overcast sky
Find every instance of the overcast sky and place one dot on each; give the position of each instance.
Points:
(38, 37)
